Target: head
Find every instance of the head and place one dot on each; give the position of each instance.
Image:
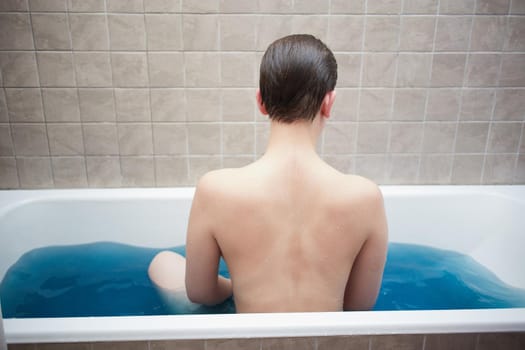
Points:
(297, 79)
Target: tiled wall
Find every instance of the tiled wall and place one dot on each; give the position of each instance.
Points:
(483, 341)
(113, 93)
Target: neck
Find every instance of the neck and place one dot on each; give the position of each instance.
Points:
(297, 139)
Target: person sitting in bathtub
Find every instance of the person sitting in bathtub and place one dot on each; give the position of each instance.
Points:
(296, 234)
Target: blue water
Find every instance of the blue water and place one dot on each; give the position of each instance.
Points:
(109, 279)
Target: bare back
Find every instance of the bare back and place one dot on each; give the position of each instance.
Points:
(291, 232)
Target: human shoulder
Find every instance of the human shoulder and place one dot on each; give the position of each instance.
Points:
(220, 183)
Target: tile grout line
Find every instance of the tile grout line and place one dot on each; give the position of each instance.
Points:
(49, 158)
(186, 129)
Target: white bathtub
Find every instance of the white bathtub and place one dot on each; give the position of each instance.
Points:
(486, 222)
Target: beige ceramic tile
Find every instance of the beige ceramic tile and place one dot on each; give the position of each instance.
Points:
(515, 40)
(382, 7)
(405, 342)
(204, 138)
(162, 6)
(344, 7)
(270, 28)
(342, 163)
(55, 69)
(343, 343)
(8, 173)
(15, 32)
(238, 139)
(467, 169)
(372, 137)
(50, 31)
(447, 70)
(127, 32)
(417, 33)
(132, 105)
(406, 138)
(203, 105)
(472, 137)
(202, 69)
(238, 69)
(345, 33)
(201, 165)
(376, 105)
(200, 6)
(504, 137)
(3, 107)
(454, 7)
(100, 139)
(382, 33)
(34, 172)
(103, 172)
(166, 69)
(86, 5)
(200, 32)
(96, 105)
(19, 69)
(477, 104)
(237, 6)
(275, 6)
(13, 5)
(170, 139)
(488, 33)
(137, 171)
(482, 70)
(443, 104)
(379, 69)
(130, 69)
(509, 105)
(500, 7)
(435, 169)
(450, 341)
(452, 33)
(170, 171)
(498, 170)
(125, 6)
(135, 139)
(517, 8)
(30, 139)
(93, 69)
(61, 105)
(236, 161)
(237, 32)
(238, 105)
(348, 69)
(372, 166)
(439, 137)
(311, 6)
(420, 7)
(314, 25)
(519, 174)
(402, 169)
(164, 31)
(512, 70)
(340, 138)
(409, 104)
(25, 105)
(168, 105)
(288, 344)
(345, 105)
(6, 142)
(413, 70)
(69, 172)
(65, 139)
(89, 31)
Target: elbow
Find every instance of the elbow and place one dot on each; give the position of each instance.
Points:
(203, 296)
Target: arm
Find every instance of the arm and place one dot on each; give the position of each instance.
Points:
(365, 278)
(203, 284)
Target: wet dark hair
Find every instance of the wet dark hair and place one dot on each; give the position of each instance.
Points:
(296, 73)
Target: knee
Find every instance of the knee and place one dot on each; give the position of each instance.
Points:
(167, 270)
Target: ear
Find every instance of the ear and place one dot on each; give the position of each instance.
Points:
(328, 102)
(260, 103)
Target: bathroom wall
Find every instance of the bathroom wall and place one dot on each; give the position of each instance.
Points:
(118, 93)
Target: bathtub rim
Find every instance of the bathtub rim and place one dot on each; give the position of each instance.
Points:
(235, 326)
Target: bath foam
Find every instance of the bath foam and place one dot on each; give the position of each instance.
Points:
(110, 279)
